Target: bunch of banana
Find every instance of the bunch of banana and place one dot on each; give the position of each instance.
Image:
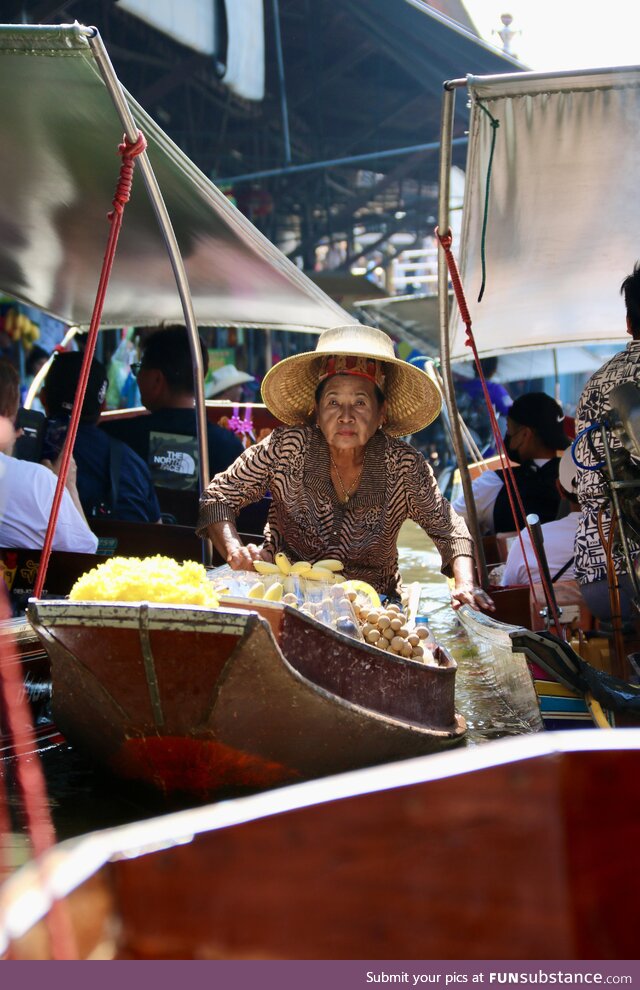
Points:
(19, 327)
(322, 570)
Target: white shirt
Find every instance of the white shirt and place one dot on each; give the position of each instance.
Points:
(26, 497)
(559, 537)
(486, 488)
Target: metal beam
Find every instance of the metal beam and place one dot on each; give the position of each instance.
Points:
(336, 162)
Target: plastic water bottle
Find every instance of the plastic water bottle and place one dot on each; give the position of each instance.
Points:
(423, 621)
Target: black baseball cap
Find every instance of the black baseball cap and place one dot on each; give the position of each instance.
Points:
(543, 414)
(62, 381)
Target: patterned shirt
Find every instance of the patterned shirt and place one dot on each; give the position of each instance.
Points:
(308, 521)
(590, 561)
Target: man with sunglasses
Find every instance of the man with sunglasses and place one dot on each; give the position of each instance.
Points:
(166, 437)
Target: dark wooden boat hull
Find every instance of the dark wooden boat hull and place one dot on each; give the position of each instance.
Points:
(198, 701)
(510, 850)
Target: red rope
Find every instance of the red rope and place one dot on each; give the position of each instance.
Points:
(29, 773)
(513, 493)
(128, 151)
(30, 779)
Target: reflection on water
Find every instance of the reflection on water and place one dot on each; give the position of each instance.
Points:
(485, 712)
(82, 799)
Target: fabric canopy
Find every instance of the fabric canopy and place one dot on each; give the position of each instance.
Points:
(58, 173)
(562, 230)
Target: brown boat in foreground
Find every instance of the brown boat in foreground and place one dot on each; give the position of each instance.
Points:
(197, 700)
(510, 850)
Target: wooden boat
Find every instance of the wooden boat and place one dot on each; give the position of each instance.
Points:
(211, 721)
(522, 174)
(197, 700)
(431, 858)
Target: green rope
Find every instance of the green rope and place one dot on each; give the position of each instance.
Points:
(495, 124)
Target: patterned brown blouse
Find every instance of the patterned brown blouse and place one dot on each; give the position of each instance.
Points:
(308, 521)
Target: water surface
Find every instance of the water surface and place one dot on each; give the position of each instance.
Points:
(477, 699)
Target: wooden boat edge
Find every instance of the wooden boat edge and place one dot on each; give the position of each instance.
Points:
(72, 862)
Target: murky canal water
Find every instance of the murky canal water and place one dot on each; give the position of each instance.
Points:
(82, 799)
(485, 712)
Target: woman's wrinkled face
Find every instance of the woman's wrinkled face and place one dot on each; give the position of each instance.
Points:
(348, 412)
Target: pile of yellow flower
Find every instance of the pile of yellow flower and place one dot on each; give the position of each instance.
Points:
(150, 579)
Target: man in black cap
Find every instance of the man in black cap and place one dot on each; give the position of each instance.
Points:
(112, 479)
(534, 436)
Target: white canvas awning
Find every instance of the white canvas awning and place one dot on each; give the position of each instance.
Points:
(58, 173)
(548, 362)
(563, 209)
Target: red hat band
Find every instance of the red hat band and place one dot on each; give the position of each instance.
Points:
(348, 364)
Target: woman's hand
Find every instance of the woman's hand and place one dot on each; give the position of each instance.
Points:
(240, 557)
(227, 542)
(466, 591)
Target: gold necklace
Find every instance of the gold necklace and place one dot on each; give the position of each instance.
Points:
(347, 492)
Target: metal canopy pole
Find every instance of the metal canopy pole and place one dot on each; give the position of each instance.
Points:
(448, 109)
(153, 189)
(281, 84)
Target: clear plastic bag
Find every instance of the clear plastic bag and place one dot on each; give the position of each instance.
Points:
(326, 603)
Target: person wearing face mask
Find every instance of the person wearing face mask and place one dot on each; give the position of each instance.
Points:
(533, 438)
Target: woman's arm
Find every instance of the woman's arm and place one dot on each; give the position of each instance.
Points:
(227, 542)
(245, 481)
(429, 508)
(466, 591)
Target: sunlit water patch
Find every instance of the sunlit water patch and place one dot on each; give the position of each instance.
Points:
(487, 713)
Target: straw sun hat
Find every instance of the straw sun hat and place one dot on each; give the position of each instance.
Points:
(225, 377)
(413, 400)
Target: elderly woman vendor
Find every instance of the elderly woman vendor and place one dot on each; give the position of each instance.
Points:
(341, 481)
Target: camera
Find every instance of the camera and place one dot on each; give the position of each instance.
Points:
(41, 439)
(28, 446)
(54, 436)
